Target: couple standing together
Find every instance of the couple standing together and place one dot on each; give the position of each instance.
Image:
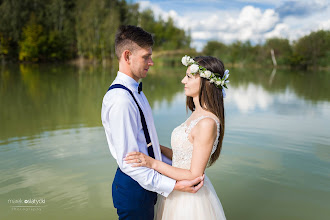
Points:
(146, 168)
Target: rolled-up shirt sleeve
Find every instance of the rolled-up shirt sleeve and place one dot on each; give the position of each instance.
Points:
(123, 129)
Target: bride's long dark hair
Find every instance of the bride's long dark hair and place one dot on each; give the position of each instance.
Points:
(211, 97)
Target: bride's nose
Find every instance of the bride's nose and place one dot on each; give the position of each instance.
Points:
(183, 81)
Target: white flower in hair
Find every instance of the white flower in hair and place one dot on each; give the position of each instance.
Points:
(202, 74)
(207, 74)
(194, 68)
(185, 60)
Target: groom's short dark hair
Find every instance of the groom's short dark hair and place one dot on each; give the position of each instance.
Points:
(127, 35)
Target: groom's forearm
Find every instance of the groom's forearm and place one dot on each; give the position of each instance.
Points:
(166, 151)
(191, 186)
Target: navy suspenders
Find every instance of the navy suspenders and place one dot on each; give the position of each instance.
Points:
(143, 120)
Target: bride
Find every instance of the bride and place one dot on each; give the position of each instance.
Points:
(196, 143)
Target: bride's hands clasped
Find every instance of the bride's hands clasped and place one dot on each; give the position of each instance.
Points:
(138, 159)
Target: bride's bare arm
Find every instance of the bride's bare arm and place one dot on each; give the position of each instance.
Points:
(166, 151)
(202, 137)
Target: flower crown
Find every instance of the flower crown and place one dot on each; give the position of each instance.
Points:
(219, 82)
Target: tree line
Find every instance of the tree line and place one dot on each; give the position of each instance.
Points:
(58, 30)
(312, 50)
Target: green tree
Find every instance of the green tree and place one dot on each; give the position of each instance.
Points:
(4, 46)
(65, 29)
(312, 50)
(33, 40)
(60, 22)
(234, 52)
(55, 18)
(174, 38)
(14, 15)
(166, 35)
(96, 23)
(216, 49)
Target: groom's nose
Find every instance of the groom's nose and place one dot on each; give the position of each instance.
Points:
(150, 62)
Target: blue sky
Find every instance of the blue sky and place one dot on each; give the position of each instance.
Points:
(254, 20)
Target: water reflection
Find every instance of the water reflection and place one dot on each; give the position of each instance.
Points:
(249, 97)
(312, 86)
(71, 169)
(276, 149)
(36, 98)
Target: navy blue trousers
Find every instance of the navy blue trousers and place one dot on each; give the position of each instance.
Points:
(131, 200)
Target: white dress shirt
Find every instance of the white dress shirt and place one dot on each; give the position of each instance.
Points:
(123, 128)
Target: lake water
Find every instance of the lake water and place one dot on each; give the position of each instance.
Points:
(275, 161)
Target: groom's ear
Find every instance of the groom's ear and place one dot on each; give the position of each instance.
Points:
(126, 56)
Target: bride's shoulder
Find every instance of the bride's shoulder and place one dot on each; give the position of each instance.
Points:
(211, 116)
(207, 122)
(207, 125)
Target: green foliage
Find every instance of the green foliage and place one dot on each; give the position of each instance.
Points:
(4, 45)
(31, 45)
(38, 31)
(166, 35)
(216, 49)
(14, 15)
(96, 22)
(235, 53)
(313, 49)
(55, 30)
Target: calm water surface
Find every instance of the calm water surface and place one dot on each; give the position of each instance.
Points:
(275, 162)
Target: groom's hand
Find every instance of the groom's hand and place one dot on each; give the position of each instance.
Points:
(191, 186)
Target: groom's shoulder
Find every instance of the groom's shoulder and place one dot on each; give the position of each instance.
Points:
(118, 97)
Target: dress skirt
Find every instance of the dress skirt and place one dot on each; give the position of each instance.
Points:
(204, 204)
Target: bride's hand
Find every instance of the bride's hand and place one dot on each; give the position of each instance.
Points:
(138, 159)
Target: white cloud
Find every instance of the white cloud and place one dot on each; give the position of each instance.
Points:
(325, 25)
(248, 23)
(294, 28)
(280, 30)
(252, 19)
(271, 2)
(158, 12)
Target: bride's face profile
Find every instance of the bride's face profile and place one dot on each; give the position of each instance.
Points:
(191, 84)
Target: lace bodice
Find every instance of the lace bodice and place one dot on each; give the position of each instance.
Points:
(182, 147)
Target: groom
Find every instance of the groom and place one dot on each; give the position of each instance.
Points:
(129, 126)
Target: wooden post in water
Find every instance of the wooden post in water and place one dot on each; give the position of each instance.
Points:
(275, 65)
(273, 57)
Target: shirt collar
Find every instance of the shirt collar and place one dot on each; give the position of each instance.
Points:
(131, 83)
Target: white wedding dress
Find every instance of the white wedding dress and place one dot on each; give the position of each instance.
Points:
(204, 204)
